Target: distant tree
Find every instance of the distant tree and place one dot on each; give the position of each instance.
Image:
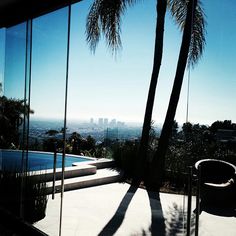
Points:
(187, 131)
(50, 144)
(153, 139)
(12, 112)
(62, 130)
(226, 124)
(74, 137)
(52, 132)
(124, 154)
(1, 89)
(175, 128)
(75, 140)
(53, 142)
(90, 143)
(36, 145)
(100, 152)
(80, 144)
(192, 143)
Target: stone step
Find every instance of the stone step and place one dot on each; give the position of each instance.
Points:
(70, 172)
(100, 163)
(77, 169)
(103, 176)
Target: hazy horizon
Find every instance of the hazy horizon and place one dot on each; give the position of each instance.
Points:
(127, 122)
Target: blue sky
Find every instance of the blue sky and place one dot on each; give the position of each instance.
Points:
(102, 85)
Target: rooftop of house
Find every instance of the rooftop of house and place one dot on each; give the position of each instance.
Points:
(226, 134)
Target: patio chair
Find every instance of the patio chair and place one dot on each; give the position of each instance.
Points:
(217, 183)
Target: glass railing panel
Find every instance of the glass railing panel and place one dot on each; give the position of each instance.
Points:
(2, 58)
(101, 107)
(2, 65)
(14, 84)
(48, 84)
(14, 105)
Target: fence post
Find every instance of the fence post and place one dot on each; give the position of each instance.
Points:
(190, 175)
(54, 169)
(198, 200)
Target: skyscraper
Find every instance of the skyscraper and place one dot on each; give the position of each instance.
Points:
(105, 122)
(100, 121)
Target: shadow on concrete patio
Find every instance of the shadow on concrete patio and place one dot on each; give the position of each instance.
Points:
(177, 221)
(157, 220)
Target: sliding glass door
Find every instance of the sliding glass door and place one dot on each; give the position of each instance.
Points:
(48, 86)
(34, 58)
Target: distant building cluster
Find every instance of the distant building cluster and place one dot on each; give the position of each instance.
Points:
(105, 123)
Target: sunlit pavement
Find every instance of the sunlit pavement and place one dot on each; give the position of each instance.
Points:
(118, 209)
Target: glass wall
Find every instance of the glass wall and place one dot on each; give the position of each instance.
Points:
(106, 100)
(2, 63)
(48, 84)
(33, 71)
(15, 82)
(2, 58)
(48, 77)
(14, 117)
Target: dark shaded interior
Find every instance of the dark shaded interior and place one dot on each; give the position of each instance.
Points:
(16, 11)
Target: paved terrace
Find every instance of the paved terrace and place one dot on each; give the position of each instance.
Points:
(118, 209)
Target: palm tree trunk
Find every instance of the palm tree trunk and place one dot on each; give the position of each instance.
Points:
(157, 168)
(143, 148)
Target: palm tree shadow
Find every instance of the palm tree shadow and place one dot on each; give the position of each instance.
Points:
(177, 221)
(157, 226)
(115, 222)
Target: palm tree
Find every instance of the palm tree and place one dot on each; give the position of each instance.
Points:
(104, 17)
(193, 42)
(143, 147)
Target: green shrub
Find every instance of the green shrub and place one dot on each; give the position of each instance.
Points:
(125, 155)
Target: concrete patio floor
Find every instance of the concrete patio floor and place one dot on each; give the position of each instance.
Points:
(118, 209)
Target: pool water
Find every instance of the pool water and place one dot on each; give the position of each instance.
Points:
(12, 160)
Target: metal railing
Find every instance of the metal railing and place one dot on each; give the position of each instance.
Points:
(54, 170)
(193, 178)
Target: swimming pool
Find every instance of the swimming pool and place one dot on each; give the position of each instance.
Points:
(11, 160)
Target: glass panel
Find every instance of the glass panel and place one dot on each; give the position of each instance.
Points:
(15, 61)
(13, 117)
(13, 89)
(2, 58)
(2, 63)
(48, 82)
(95, 108)
(14, 83)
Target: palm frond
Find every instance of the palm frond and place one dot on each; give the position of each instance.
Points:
(198, 40)
(105, 17)
(178, 9)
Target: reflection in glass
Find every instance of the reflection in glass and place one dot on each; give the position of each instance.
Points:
(13, 86)
(49, 54)
(34, 77)
(15, 61)
(2, 58)
(14, 112)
